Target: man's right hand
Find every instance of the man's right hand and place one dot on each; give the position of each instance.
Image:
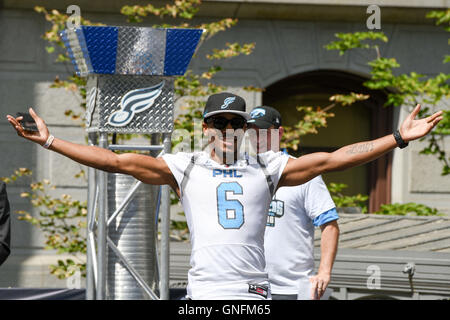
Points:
(39, 137)
(143, 167)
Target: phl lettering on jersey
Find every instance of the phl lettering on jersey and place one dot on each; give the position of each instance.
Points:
(230, 173)
(276, 210)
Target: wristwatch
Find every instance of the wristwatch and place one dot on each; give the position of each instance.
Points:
(398, 138)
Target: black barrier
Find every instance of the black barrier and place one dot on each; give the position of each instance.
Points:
(62, 294)
(42, 294)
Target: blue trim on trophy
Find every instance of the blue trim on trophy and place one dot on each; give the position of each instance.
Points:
(65, 39)
(94, 50)
(101, 43)
(83, 47)
(180, 46)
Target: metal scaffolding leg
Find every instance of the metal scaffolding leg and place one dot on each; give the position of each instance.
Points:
(165, 226)
(90, 250)
(101, 226)
(97, 231)
(134, 273)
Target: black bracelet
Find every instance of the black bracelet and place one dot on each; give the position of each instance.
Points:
(398, 138)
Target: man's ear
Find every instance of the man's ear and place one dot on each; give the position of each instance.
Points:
(280, 132)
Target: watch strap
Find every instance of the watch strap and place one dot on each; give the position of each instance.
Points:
(398, 138)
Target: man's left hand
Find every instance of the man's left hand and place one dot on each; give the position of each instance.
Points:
(319, 284)
(412, 129)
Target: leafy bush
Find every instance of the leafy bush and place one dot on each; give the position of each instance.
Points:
(343, 201)
(360, 201)
(407, 209)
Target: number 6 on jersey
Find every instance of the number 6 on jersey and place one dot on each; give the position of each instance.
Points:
(231, 212)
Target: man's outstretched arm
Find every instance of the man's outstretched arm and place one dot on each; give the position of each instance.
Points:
(302, 169)
(144, 168)
(328, 248)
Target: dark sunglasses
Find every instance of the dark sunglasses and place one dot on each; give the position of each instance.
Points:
(221, 123)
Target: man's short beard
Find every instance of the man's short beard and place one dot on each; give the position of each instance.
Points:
(227, 154)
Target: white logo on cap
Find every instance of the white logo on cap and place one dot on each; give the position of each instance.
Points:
(227, 102)
(257, 113)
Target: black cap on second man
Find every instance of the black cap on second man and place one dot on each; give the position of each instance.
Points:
(264, 117)
(225, 102)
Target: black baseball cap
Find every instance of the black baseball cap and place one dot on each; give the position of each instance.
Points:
(264, 117)
(225, 102)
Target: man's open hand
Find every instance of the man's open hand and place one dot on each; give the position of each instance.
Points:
(412, 129)
(39, 137)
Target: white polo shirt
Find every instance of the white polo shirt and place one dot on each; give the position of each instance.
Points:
(289, 236)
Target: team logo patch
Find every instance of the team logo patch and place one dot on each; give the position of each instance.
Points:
(257, 113)
(276, 210)
(258, 289)
(227, 102)
(133, 102)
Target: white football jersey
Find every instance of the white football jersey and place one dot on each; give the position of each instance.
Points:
(226, 212)
(289, 236)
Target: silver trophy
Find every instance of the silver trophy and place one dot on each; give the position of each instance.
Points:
(130, 86)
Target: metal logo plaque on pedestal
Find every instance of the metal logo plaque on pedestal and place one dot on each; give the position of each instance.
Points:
(104, 96)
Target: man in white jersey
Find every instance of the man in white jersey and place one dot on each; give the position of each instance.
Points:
(289, 237)
(225, 198)
(224, 205)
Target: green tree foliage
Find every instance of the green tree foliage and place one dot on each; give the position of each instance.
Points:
(63, 223)
(442, 19)
(410, 208)
(360, 200)
(61, 219)
(405, 89)
(343, 201)
(314, 118)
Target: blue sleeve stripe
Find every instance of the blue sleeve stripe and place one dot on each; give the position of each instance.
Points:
(325, 217)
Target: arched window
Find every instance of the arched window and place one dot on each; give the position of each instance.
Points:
(361, 121)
